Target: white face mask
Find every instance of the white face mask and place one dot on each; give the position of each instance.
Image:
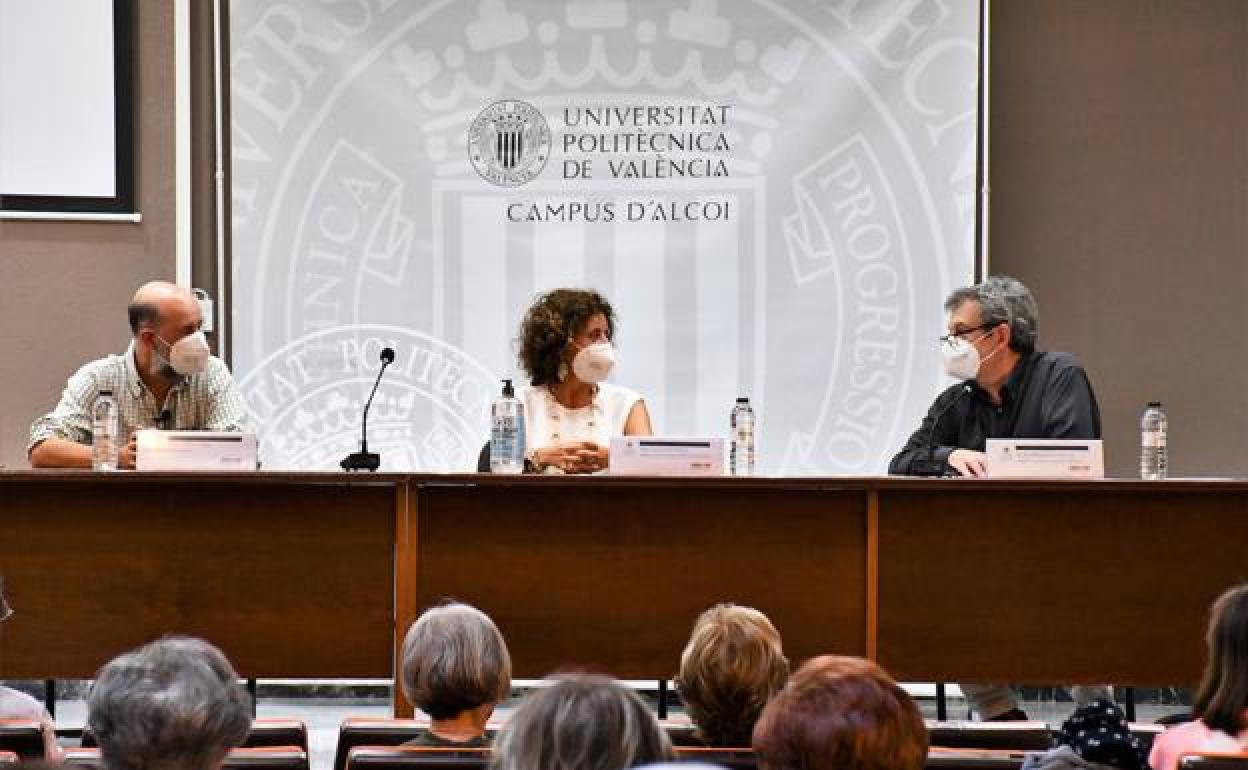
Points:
(594, 363)
(961, 359)
(188, 355)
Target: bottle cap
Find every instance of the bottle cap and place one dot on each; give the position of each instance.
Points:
(508, 391)
(743, 400)
(1154, 404)
(106, 391)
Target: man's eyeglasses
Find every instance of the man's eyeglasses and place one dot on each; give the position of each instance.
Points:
(961, 333)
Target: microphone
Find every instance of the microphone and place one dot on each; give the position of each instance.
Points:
(931, 434)
(365, 460)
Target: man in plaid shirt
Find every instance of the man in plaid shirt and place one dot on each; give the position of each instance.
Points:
(165, 379)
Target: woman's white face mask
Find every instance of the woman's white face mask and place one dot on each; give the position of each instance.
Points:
(593, 364)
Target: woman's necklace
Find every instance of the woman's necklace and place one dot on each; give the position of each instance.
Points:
(557, 409)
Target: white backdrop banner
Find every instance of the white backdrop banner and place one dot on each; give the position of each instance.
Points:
(775, 196)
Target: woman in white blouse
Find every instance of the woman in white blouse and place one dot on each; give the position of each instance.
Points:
(571, 412)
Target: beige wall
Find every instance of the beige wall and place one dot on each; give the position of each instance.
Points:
(1119, 178)
(64, 285)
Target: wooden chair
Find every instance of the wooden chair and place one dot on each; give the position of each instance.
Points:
(263, 733)
(733, 759)
(974, 759)
(277, 732)
(255, 758)
(267, 758)
(416, 758)
(1020, 736)
(366, 731)
(1146, 733)
(23, 737)
(1213, 762)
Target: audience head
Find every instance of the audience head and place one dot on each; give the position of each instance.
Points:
(1222, 697)
(455, 660)
(174, 704)
(560, 324)
(582, 722)
(840, 713)
(730, 668)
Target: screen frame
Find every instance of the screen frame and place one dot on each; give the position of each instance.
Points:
(124, 199)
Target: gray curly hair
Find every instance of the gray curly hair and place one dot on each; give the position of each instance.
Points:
(1003, 299)
(174, 703)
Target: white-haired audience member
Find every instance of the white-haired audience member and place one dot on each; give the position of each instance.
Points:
(174, 704)
(582, 722)
(456, 669)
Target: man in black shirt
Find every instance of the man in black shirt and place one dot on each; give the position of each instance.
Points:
(1008, 388)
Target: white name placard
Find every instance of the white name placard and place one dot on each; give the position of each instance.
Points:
(657, 456)
(1049, 458)
(191, 450)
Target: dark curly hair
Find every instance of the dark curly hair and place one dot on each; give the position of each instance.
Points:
(551, 323)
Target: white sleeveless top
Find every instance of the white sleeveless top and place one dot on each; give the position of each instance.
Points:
(548, 422)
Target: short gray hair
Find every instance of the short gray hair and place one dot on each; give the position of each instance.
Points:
(454, 659)
(582, 722)
(174, 703)
(1003, 299)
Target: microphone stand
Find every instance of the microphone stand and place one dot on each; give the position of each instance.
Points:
(365, 460)
(931, 434)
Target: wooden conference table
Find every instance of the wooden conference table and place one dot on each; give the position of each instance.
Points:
(318, 575)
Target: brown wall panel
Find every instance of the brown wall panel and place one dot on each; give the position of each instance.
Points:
(569, 573)
(289, 579)
(1056, 584)
(1119, 179)
(64, 285)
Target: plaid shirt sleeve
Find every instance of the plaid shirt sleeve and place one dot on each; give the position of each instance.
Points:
(225, 408)
(71, 419)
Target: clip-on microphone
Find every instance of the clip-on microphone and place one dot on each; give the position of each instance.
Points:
(365, 460)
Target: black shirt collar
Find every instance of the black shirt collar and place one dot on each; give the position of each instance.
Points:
(1013, 386)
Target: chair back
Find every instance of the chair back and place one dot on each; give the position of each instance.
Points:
(1213, 762)
(416, 758)
(1020, 736)
(267, 758)
(1146, 733)
(974, 759)
(277, 732)
(263, 733)
(731, 758)
(23, 737)
(366, 731)
(255, 758)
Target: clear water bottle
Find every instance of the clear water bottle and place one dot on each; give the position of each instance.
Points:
(104, 430)
(1153, 442)
(742, 456)
(507, 432)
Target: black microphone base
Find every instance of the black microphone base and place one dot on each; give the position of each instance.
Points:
(361, 461)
